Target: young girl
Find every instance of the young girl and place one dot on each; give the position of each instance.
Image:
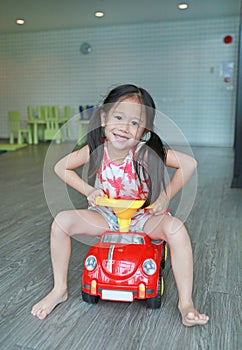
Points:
(126, 159)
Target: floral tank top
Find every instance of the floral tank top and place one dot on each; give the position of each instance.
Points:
(120, 181)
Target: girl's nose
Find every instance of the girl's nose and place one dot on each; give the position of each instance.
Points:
(124, 127)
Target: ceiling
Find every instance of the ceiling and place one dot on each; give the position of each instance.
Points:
(62, 14)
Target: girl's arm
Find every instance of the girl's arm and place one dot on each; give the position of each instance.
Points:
(65, 169)
(185, 166)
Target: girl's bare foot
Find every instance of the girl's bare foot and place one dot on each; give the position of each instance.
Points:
(44, 307)
(191, 317)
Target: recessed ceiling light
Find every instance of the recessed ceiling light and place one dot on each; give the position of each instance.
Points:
(99, 14)
(182, 6)
(20, 21)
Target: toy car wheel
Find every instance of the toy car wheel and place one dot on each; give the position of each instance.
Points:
(164, 255)
(90, 299)
(155, 302)
(162, 286)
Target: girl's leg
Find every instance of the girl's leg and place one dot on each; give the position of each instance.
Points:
(64, 226)
(175, 234)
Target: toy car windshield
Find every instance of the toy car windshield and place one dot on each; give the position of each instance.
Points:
(123, 238)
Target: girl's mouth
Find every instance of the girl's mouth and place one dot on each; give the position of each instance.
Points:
(120, 137)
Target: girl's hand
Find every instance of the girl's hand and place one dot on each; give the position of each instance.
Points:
(91, 198)
(160, 206)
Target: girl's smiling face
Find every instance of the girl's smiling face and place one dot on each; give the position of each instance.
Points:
(124, 123)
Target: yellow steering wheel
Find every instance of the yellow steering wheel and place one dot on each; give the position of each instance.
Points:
(123, 208)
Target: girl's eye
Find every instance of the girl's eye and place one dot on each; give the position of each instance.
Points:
(134, 123)
(118, 117)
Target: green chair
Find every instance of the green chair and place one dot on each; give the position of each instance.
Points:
(30, 112)
(67, 113)
(56, 112)
(52, 128)
(50, 111)
(14, 118)
(42, 112)
(66, 118)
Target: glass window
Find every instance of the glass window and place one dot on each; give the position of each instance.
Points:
(123, 238)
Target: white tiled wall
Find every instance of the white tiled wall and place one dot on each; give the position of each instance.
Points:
(177, 62)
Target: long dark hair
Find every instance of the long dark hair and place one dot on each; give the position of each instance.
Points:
(153, 150)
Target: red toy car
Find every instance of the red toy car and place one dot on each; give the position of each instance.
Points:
(124, 266)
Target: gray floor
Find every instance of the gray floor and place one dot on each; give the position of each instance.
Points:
(215, 229)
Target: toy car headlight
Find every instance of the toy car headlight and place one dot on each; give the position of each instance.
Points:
(149, 266)
(90, 262)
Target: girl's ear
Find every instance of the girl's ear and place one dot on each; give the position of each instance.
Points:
(103, 118)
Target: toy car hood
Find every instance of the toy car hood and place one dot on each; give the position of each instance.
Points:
(121, 260)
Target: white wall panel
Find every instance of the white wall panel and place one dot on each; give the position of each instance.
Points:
(178, 62)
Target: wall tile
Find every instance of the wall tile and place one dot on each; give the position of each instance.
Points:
(178, 62)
